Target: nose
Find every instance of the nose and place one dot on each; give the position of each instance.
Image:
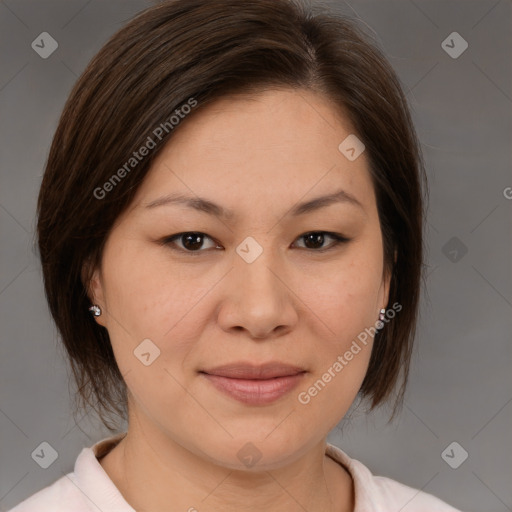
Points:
(258, 298)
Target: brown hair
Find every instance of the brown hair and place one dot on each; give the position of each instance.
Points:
(207, 49)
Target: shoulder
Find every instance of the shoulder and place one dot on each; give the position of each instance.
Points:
(62, 494)
(87, 488)
(391, 493)
(381, 494)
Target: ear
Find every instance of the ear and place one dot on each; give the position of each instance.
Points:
(93, 284)
(386, 284)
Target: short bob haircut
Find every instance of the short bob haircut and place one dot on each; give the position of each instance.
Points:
(205, 50)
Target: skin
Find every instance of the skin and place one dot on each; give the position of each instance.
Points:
(258, 155)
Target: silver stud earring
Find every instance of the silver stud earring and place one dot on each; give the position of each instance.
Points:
(382, 316)
(95, 310)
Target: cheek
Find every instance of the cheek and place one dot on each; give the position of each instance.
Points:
(151, 311)
(148, 299)
(148, 292)
(345, 297)
(347, 306)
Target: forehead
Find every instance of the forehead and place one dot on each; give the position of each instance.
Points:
(280, 145)
(268, 121)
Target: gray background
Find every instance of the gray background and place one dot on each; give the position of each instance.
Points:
(460, 387)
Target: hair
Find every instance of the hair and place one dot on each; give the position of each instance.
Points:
(204, 50)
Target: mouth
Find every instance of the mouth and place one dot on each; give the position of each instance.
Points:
(255, 384)
(241, 370)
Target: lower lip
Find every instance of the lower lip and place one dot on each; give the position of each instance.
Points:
(255, 392)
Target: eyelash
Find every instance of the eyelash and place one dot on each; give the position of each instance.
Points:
(169, 241)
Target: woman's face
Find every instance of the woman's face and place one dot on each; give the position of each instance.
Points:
(258, 286)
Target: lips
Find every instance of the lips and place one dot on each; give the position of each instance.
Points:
(241, 370)
(255, 385)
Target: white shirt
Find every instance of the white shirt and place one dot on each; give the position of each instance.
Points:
(89, 489)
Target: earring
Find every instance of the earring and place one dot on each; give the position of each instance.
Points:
(382, 316)
(95, 310)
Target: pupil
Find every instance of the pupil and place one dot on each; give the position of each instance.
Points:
(192, 241)
(317, 238)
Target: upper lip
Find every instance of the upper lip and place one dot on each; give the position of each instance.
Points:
(242, 370)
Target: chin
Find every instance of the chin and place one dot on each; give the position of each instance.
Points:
(261, 451)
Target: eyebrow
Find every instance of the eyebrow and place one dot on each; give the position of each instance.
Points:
(211, 208)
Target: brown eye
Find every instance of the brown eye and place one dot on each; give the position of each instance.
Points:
(190, 241)
(193, 242)
(315, 240)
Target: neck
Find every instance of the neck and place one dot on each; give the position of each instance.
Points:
(158, 474)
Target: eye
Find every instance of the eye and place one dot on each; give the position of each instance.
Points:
(193, 241)
(314, 239)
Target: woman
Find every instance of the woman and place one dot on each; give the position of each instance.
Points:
(230, 229)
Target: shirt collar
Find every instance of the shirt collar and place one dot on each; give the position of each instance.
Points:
(365, 493)
(100, 492)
